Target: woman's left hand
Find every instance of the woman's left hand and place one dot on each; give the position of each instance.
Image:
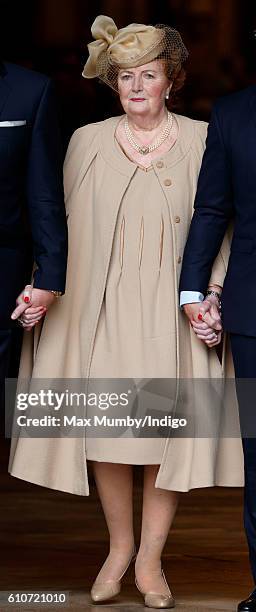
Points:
(209, 329)
(206, 333)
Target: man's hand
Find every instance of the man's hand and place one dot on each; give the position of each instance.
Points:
(32, 304)
(205, 319)
(193, 310)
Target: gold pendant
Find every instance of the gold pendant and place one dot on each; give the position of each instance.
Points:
(144, 150)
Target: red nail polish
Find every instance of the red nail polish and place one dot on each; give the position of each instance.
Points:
(200, 316)
(26, 299)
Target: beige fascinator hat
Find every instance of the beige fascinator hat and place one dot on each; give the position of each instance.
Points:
(132, 46)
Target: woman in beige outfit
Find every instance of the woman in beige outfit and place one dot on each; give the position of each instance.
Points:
(130, 183)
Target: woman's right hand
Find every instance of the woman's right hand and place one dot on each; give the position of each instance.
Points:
(29, 320)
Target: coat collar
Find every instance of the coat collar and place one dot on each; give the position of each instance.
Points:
(118, 160)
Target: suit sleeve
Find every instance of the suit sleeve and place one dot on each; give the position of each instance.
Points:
(213, 210)
(46, 197)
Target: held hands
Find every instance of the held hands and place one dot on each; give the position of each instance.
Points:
(32, 305)
(209, 328)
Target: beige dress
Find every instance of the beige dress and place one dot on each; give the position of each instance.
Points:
(98, 179)
(135, 332)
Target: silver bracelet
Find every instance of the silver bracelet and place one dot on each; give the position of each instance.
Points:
(215, 293)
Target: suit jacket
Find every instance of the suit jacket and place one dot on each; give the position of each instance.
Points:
(227, 190)
(31, 186)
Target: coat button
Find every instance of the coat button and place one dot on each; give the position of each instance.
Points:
(167, 182)
(159, 164)
(179, 259)
(177, 219)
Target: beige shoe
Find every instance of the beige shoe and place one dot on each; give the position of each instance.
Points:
(101, 591)
(157, 600)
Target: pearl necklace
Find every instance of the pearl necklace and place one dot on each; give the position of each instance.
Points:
(144, 150)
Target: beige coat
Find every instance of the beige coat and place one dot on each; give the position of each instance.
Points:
(95, 181)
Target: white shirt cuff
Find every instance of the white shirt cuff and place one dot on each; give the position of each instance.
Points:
(189, 297)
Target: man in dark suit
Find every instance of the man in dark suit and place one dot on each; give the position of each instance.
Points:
(227, 190)
(31, 201)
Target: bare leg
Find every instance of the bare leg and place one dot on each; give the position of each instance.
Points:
(159, 507)
(114, 483)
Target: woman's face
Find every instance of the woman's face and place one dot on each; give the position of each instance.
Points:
(142, 90)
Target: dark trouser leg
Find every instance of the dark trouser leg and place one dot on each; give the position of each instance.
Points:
(15, 264)
(244, 356)
(5, 344)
